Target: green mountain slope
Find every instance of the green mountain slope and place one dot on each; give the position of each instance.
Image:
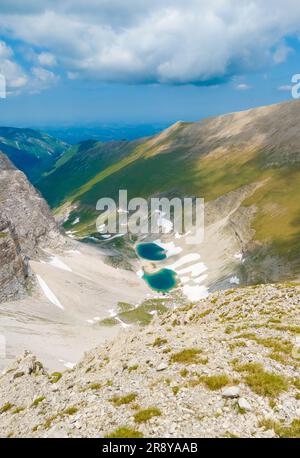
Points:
(210, 159)
(30, 150)
(79, 165)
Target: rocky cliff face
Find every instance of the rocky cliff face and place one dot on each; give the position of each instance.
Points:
(26, 224)
(13, 269)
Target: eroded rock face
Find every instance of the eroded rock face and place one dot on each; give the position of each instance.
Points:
(13, 269)
(26, 224)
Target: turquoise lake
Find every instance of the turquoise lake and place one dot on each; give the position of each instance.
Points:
(163, 280)
(151, 251)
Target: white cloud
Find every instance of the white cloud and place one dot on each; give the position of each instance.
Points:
(42, 79)
(281, 54)
(47, 59)
(15, 77)
(285, 87)
(242, 87)
(165, 41)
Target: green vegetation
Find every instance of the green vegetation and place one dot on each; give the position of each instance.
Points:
(215, 382)
(37, 401)
(140, 315)
(187, 356)
(261, 382)
(31, 151)
(120, 400)
(290, 431)
(55, 377)
(133, 368)
(159, 341)
(69, 411)
(205, 313)
(209, 174)
(94, 386)
(6, 407)
(145, 415)
(18, 410)
(124, 432)
(175, 389)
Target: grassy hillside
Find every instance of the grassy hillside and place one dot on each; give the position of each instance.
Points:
(206, 159)
(79, 165)
(30, 150)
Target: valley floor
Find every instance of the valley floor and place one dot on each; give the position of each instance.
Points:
(59, 322)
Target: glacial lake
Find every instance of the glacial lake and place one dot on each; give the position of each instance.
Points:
(151, 252)
(163, 280)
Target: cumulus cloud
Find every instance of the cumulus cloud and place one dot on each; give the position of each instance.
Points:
(42, 79)
(162, 41)
(14, 75)
(47, 59)
(242, 87)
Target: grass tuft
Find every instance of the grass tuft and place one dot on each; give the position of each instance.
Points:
(146, 414)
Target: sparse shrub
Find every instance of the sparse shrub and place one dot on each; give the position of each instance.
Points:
(37, 401)
(55, 377)
(159, 341)
(175, 390)
(215, 382)
(124, 432)
(6, 407)
(187, 356)
(18, 410)
(184, 372)
(133, 368)
(261, 382)
(120, 400)
(69, 411)
(144, 415)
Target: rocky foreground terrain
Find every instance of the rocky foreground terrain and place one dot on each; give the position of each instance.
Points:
(225, 367)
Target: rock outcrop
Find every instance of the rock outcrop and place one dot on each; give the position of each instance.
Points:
(225, 367)
(13, 269)
(26, 225)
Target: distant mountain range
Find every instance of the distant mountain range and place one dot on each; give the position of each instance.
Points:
(210, 159)
(246, 165)
(30, 150)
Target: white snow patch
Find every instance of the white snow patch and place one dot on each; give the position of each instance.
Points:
(170, 248)
(55, 262)
(184, 260)
(76, 221)
(234, 280)
(124, 325)
(48, 293)
(70, 234)
(200, 279)
(140, 273)
(195, 269)
(73, 252)
(69, 365)
(238, 256)
(195, 293)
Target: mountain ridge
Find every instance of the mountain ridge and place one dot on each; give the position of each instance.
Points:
(210, 158)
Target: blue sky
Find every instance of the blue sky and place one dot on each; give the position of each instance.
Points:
(137, 61)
